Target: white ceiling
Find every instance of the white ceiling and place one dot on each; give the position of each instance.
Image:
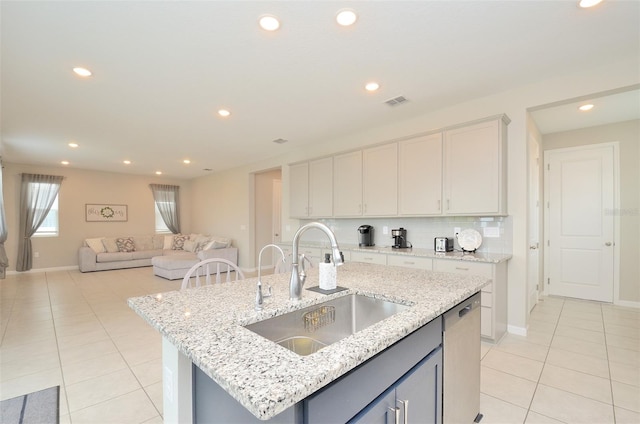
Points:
(162, 70)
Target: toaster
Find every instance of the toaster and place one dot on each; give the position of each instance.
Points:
(443, 244)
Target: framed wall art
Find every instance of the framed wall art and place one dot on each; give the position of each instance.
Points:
(105, 213)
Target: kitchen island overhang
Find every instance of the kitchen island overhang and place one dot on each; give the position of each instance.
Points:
(206, 326)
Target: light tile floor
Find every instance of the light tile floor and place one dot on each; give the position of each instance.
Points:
(579, 363)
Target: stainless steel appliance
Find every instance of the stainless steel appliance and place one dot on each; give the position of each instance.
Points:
(461, 363)
(365, 235)
(443, 244)
(399, 238)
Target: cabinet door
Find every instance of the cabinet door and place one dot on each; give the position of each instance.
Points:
(420, 176)
(347, 184)
(419, 395)
(473, 169)
(299, 190)
(380, 180)
(381, 412)
(321, 187)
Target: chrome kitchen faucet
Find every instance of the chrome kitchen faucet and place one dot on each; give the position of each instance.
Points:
(298, 277)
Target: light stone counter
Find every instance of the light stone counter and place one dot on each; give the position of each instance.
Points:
(417, 252)
(206, 325)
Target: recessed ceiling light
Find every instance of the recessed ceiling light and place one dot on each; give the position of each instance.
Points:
(83, 72)
(65, 162)
(588, 3)
(224, 112)
(126, 162)
(158, 172)
(372, 86)
(585, 108)
(73, 145)
(186, 161)
(269, 23)
(346, 17)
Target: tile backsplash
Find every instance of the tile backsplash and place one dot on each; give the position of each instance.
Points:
(420, 231)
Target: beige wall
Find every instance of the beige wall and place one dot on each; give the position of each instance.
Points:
(78, 188)
(628, 136)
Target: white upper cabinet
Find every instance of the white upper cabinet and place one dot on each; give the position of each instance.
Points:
(460, 171)
(299, 190)
(420, 175)
(475, 169)
(311, 188)
(321, 187)
(347, 184)
(380, 180)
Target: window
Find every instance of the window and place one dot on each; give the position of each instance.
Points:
(161, 227)
(49, 227)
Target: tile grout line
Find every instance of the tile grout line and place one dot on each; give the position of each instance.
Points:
(129, 367)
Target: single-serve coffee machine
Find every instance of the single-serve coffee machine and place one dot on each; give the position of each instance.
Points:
(365, 235)
(399, 238)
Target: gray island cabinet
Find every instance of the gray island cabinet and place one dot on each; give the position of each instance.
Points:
(216, 370)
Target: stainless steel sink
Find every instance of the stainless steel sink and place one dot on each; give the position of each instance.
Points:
(308, 330)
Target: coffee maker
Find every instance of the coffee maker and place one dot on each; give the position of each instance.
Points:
(365, 235)
(399, 238)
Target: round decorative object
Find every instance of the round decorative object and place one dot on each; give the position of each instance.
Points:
(107, 212)
(469, 239)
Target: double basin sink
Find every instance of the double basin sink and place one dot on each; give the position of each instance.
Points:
(307, 330)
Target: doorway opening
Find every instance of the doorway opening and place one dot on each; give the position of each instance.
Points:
(267, 213)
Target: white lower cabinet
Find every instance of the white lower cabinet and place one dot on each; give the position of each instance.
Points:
(493, 315)
(371, 258)
(410, 262)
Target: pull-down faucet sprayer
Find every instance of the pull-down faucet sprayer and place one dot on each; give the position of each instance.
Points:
(298, 277)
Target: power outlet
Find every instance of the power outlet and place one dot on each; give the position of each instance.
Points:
(385, 230)
(456, 231)
(489, 232)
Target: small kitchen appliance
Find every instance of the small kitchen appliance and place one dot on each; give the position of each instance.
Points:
(399, 238)
(443, 244)
(365, 235)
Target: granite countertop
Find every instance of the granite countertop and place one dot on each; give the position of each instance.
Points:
(206, 325)
(415, 251)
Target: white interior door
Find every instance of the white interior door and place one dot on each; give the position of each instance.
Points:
(533, 264)
(581, 194)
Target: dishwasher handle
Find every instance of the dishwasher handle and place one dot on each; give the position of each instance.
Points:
(459, 311)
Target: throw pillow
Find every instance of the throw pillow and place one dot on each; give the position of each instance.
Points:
(158, 241)
(110, 245)
(168, 242)
(178, 242)
(143, 242)
(125, 244)
(215, 244)
(96, 245)
(190, 246)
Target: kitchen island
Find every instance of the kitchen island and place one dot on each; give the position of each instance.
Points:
(205, 327)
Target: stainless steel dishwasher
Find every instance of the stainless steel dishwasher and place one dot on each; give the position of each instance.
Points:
(461, 363)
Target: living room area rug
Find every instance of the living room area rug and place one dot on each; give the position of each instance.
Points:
(41, 407)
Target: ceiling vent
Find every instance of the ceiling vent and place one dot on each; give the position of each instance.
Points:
(280, 141)
(396, 101)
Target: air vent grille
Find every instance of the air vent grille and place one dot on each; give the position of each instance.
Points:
(396, 101)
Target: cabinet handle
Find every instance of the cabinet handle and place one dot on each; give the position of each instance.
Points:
(365, 208)
(462, 269)
(368, 259)
(396, 414)
(439, 205)
(405, 404)
(447, 204)
(409, 263)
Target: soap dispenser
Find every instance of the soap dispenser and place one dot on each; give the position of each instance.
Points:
(327, 274)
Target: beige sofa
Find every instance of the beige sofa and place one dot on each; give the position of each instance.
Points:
(107, 253)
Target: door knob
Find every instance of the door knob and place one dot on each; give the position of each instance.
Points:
(533, 247)
(608, 243)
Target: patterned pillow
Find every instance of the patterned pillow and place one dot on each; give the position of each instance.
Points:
(178, 242)
(125, 244)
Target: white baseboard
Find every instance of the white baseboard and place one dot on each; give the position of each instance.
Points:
(37, 270)
(627, 304)
(518, 331)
